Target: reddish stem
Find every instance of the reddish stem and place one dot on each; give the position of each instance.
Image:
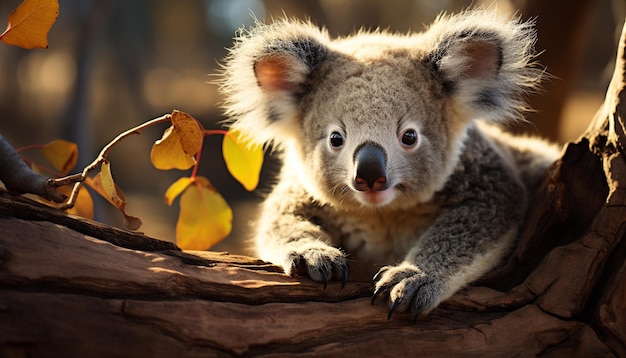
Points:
(195, 167)
(52, 172)
(30, 146)
(214, 131)
(205, 132)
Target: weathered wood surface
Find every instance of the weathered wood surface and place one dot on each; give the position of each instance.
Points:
(66, 293)
(70, 287)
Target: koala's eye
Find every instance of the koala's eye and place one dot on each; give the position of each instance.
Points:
(409, 137)
(336, 140)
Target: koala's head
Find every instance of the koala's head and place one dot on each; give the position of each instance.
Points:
(377, 120)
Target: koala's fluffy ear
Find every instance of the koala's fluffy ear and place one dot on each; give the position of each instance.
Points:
(265, 75)
(485, 63)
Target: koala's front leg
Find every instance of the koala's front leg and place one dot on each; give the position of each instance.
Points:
(448, 257)
(462, 245)
(287, 237)
(301, 248)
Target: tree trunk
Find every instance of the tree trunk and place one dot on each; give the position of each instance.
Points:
(563, 31)
(71, 287)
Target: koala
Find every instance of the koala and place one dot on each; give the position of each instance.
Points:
(394, 163)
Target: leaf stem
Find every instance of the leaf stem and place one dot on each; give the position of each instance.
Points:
(30, 146)
(205, 132)
(42, 168)
(198, 155)
(79, 178)
(214, 131)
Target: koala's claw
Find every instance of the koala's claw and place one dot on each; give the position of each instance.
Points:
(321, 263)
(392, 308)
(377, 292)
(408, 288)
(415, 317)
(324, 274)
(379, 274)
(345, 272)
(379, 288)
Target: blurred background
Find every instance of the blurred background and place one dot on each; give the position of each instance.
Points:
(113, 64)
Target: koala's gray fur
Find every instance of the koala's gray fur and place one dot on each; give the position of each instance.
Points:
(391, 164)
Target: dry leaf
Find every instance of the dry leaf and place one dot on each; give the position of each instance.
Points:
(108, 185)
(38, 169)
(243, 160)
(30, 23)
(83, 206)
(205, 218)
(167, 152)
(62, 154)
(104, 185)
(188, 130)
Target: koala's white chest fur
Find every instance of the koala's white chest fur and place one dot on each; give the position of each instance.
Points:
(377, 239)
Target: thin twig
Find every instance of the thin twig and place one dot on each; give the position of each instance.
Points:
(79, 178)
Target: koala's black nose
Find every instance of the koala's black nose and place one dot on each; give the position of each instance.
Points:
(370, 171)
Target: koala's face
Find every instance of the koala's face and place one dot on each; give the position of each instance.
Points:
(375, 133)
(376, 120)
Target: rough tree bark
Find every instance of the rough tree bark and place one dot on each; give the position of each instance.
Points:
(70, 287)
(19, 178)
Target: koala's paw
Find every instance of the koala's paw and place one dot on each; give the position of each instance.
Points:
(320, 262)
(408, 288)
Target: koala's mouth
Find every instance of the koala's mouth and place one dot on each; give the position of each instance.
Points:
(375, 198)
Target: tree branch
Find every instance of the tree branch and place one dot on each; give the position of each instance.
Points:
(78, 179)
(19, 178)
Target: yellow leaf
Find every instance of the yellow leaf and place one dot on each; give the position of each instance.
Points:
(175, 189)
(62, 154)
(117, 199)
(188, 130)
(84, 204)
(168, 153)
(82, 207)
(205, 218)
(108, 185)
(37, 169)
(29, 24)
(243, 159)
